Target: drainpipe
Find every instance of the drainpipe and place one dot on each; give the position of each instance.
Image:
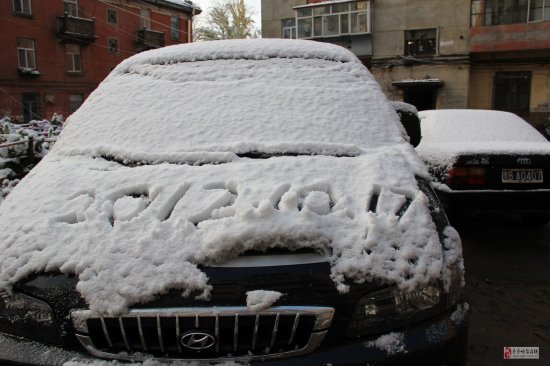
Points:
(189, 26)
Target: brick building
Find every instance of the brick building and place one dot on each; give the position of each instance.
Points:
(56, 52)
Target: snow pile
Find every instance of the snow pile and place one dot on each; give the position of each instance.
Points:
(132, 228)
(392, 343)
(260, 299)
(446, 134)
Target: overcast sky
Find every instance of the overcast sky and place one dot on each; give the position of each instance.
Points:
(254, 5)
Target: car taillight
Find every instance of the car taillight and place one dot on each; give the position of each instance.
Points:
(466, 176)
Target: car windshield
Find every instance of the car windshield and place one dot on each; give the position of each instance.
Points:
(271, 104)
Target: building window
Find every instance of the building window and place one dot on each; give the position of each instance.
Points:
(25, 53)
(22, 7)
(71, 7)
(75, 101)
(175, 26)
(73, 58)
(112, 16)
(289, 28)
(496, 12)
(112, 44)
(333, 20)
(145, 18)
(420, 42)
(512, 92)
(30, 107)
(539, 10)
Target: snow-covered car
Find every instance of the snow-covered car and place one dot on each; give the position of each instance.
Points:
(243, 201)
(490, 161)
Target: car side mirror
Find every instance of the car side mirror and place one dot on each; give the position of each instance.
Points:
(409, 119)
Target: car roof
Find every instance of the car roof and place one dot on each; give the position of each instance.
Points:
(471, 125)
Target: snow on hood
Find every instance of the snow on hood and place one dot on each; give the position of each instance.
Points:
(446, 134)
(133, 231)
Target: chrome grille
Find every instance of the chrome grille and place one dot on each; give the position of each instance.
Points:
(238, 333)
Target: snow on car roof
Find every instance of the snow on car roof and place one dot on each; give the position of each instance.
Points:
(446, 134)
(273, 96)
(132, 232)
(467, 125)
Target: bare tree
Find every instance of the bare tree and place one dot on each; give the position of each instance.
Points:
(228, 19)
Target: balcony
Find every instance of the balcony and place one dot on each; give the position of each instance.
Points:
(75, 30)
(147, 39)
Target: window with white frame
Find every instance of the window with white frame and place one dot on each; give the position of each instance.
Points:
(145, 18)
(74, 60)
(175, 27)
(539, 10)
(25, 53)
(289, 28)
(22, 7)
(337, 19)
(71, 7)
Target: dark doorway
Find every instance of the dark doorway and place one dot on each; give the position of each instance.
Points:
(30, 107)
(421, 93)
(422, 98)
(512, 92)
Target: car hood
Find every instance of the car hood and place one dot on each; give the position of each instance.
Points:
(132, 232)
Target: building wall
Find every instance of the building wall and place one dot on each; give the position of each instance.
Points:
(273, 11)
(450, 18)
(453, 93)
(392, 17)
(55, 84)
(482, 91)
(390, 20)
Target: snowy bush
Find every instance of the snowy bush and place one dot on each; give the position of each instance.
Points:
(15, 158)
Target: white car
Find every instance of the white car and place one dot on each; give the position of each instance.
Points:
(247, 200)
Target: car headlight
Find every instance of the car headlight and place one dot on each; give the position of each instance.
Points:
(27, 317)
(391, 307)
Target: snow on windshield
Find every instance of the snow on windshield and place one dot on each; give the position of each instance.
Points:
(131, 233)
(307, 98)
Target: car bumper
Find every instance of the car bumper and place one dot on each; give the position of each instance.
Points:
(535, 201)
(438, 341)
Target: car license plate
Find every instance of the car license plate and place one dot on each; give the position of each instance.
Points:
(522, 176)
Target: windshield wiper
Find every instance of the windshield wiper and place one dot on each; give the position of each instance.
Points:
(264, 155)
